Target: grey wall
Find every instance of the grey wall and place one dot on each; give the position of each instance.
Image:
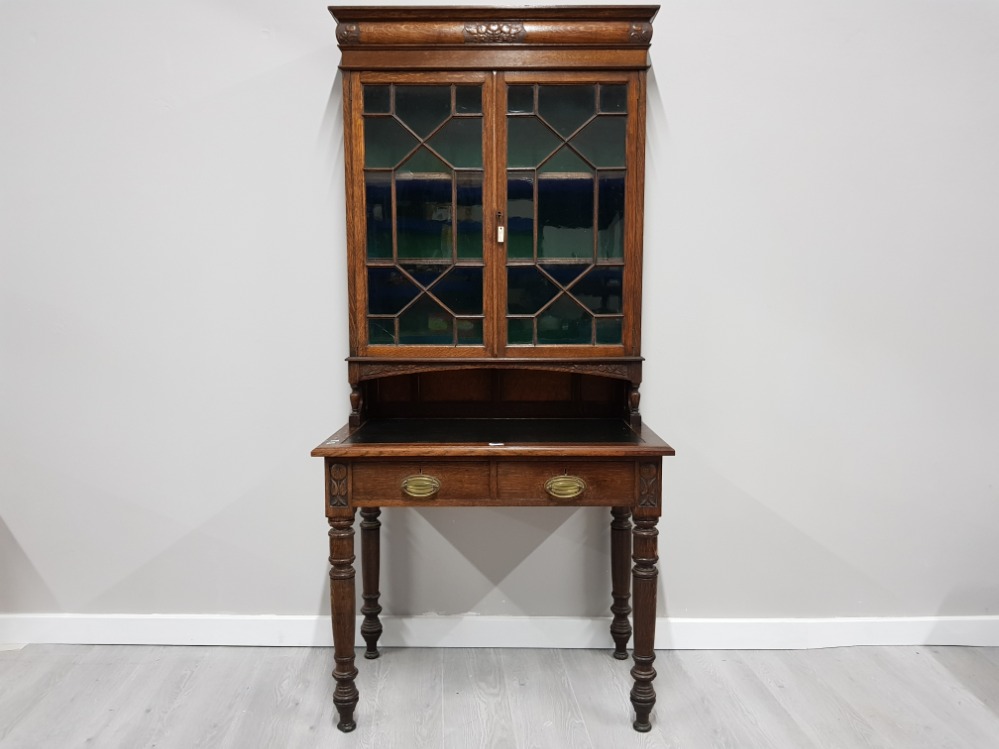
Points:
(820, 322)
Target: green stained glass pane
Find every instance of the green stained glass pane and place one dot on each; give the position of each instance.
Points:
(520, 99)
(566, 108)
(520, 330)
(565, 322)
(381, 330)
(378, 213)
(469, 218)
(520, 215)
(425, 322)
(527, 290)
(610, 215)
(565, 217)
(608, 330)
(469, 332)
(423, 108)
(565, 273)
(389, 290)
(468, 99)
(460, 142)
(613, 98)
(423, 161)
(600, 289)
(386, 142)
(566, 161)
(461, 290)
(377, 99)
(602, 141)
(423, 217)
(528, 141)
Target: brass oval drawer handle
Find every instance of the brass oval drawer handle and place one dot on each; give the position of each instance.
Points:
(421, 486)
(565, 487)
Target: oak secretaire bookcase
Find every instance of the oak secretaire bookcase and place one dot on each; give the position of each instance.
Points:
(495, 175)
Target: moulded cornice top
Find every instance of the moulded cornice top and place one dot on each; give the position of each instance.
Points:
(455, 37)
(344, 13)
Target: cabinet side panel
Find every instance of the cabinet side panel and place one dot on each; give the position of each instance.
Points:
(353, 160)
(635, 210)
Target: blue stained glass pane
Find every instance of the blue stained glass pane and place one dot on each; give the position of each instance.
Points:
(388, 290)
(461, 290)
(527, 290)
(600, 289)
(565, 215)
(610, 215)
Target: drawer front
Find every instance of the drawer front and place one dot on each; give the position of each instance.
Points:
(382, 482)
(606, 482)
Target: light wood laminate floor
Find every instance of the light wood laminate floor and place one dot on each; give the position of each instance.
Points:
(65, 696)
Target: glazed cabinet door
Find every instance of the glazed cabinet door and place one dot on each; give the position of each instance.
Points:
(572, 187)
(417, 157)
(494, 213)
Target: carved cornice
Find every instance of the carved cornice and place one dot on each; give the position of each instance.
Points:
(493, 32)
(438, 37)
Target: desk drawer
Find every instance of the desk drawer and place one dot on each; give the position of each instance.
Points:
(606, 481)
(381, 481)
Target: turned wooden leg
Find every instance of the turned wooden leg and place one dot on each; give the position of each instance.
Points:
(621, 580)
(371, 628)
(644, 576)
(342, 605)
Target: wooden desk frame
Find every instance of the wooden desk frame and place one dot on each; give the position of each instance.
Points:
(520, 386)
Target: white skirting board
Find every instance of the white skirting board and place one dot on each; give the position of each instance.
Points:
(498, 631)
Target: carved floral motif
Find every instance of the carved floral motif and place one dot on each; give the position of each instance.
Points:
(648, 485)
(489, 33)
(348, 33)
(338, 485)
(640, 33)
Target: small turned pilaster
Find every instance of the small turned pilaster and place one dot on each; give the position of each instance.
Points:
(644, 578)
(342, 605)
(634, 400)
(620, 628)
(356, 404)
(371, 627)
